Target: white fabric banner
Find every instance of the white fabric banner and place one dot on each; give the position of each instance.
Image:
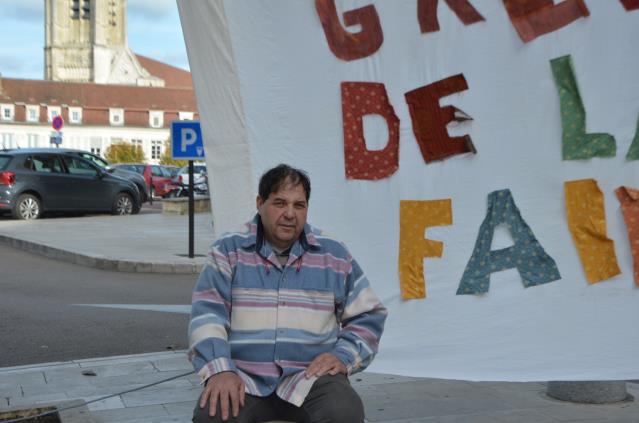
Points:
(268, 91)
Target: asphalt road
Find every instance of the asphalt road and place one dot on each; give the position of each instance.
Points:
(40, 323)
(147, 208)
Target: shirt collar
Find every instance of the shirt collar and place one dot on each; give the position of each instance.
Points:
(255, 239)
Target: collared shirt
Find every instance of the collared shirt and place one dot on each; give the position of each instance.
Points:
(267, 322)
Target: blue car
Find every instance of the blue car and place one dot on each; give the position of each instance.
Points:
(34, 181)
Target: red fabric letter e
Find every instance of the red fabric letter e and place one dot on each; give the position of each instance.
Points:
(430, 120)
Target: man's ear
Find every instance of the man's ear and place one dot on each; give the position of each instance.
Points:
(258, 202)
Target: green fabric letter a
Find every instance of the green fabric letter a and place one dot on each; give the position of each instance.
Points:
(633, 151)
(577, 144)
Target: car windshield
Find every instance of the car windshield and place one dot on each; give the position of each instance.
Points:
(196, 169)
(132, 168)
(4, 161)
(173, 171)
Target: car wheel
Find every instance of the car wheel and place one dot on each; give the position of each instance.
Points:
(123, 204)
(28, 207)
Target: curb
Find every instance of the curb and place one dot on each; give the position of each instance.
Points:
(100, 262)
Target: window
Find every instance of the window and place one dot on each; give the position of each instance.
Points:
(75, 115)
(86, 9)
(156, 171)
(116, 117)
(133, 168)
(138, 144)
(185, 115)
(4, 160)
(95, 159)
(77, 166)
(53, 111)
(156, 150)
(44, 163)
(156, 119)
(33, 113)
(32, 140)
(96, 151)
(7, 140)
(7, 112)
(75, 9)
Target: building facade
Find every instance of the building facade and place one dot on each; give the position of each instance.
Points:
(104, 92)
(85, 41)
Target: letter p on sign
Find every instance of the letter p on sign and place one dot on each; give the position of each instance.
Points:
(188, 137)
(187, 140)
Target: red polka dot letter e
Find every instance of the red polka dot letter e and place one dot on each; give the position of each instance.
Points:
(430, 120)
(368, 98)
(347, 45)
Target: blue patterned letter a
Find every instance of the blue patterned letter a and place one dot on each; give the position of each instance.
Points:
(534, 265)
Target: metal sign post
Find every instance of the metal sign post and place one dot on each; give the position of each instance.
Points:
(188, 145)
(191, 210)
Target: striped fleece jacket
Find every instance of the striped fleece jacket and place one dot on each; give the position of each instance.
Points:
(267, 322)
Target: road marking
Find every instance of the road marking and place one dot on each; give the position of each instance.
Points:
(162, 308)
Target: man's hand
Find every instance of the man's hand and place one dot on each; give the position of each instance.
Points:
(223, 387)
(326, 363)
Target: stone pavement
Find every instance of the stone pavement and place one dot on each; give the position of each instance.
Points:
(386, 398)
(152, 242)
(148, 242)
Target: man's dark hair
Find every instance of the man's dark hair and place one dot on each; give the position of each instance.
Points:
(273, 179)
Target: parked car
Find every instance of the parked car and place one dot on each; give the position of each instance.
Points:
(33, 181)
(156, 177)
(199, 173)
(134, 177)
(173, 170)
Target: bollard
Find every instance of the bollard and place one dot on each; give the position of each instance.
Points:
(589, 392)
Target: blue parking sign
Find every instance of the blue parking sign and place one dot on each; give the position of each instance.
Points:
(187, 140)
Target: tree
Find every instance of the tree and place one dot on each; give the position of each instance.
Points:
(166, 158)
(125, 153)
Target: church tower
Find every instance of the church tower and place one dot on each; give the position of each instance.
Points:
(85, 41)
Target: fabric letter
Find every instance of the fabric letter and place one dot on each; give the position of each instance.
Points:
(414, 218)
(347, 45)
(630, 4)
(532, 18)
(576, 143)
(535, 266)
(587, 223)
(629, 199)
(359, 99)
(427, 13)
(430, 120)
(633, 151)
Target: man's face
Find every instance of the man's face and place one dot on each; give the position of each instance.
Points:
(283, 215)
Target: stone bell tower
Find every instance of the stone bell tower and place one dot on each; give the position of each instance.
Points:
(85, 41)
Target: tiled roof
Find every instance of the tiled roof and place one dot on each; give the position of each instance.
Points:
(32, 91)
(173, 77)
(96, 99)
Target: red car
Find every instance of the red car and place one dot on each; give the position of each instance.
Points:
(157, 178)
